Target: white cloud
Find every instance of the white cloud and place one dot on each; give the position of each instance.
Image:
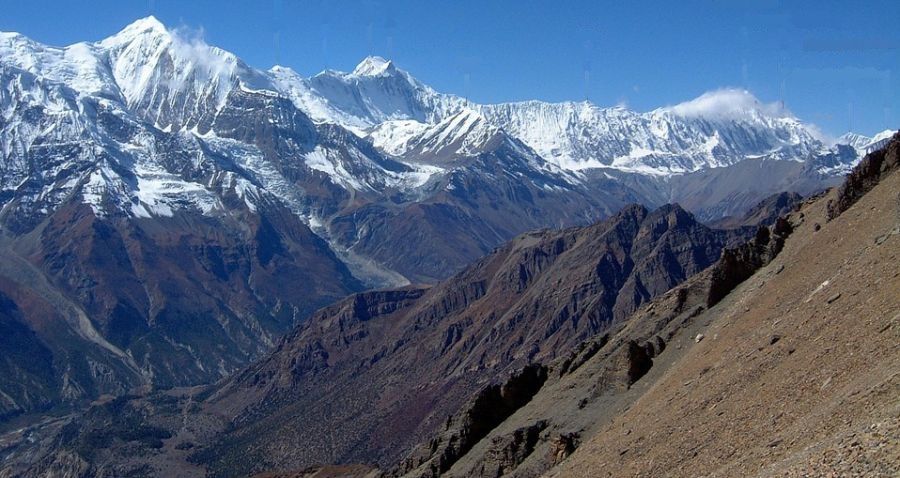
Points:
(189, 46)
(727, 102)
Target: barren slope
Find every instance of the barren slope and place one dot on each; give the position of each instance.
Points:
(799, 373)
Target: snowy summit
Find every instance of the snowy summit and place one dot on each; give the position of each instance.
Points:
(373, 66)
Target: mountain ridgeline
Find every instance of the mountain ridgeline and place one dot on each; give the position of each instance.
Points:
(419, 353)
(538, 295)
(168, 212)
(552, 353)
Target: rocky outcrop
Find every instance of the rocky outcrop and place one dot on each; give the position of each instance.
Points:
(421, 353)
(737, 264)
(507, 452)
(865, 176)
(489, 408)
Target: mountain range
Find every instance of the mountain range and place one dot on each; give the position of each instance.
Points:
(168, 212)
(646, 343)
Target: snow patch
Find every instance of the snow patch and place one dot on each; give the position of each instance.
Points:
(394, 137)
(319, 161)
(160, 193)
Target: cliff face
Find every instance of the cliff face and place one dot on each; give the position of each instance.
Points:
(562, 353)
(795, 371)
(420, 353)
(777, 360)
(865, 176)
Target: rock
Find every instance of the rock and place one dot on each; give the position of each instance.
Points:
(698, 338)
(482, 414)
(865, 176)
(774, 339)
(737, 264)
(507, 452)
(563, 445)
(834, 297)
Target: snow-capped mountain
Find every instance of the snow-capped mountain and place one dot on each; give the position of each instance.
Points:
(375, 132)
(715, 130)
(462, 134)
(861, 142)
(854, 140)
(181, 209)
(374, 92)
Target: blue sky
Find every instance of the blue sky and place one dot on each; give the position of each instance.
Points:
(831, 63)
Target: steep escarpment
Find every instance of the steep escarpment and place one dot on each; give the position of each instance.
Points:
(419, 353)
(665, 393)
(376, 373)
(107, 305)
(865, 176)
(795, 371)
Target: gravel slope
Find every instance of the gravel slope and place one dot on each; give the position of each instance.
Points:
(799, 374)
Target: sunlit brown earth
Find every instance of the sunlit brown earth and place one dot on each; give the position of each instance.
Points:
(798, 374)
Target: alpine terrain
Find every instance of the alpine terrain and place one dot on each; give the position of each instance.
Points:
(207, 267)
(646, 342)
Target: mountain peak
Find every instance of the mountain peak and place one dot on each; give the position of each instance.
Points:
(860, 142)
(10, 36)
(146, 24)
(855, 140)
(884, 135)
(374, 66)
(147, 27)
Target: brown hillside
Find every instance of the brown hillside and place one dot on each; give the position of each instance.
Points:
(799, 374)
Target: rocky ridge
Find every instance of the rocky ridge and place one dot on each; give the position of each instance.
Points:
(563, 411)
